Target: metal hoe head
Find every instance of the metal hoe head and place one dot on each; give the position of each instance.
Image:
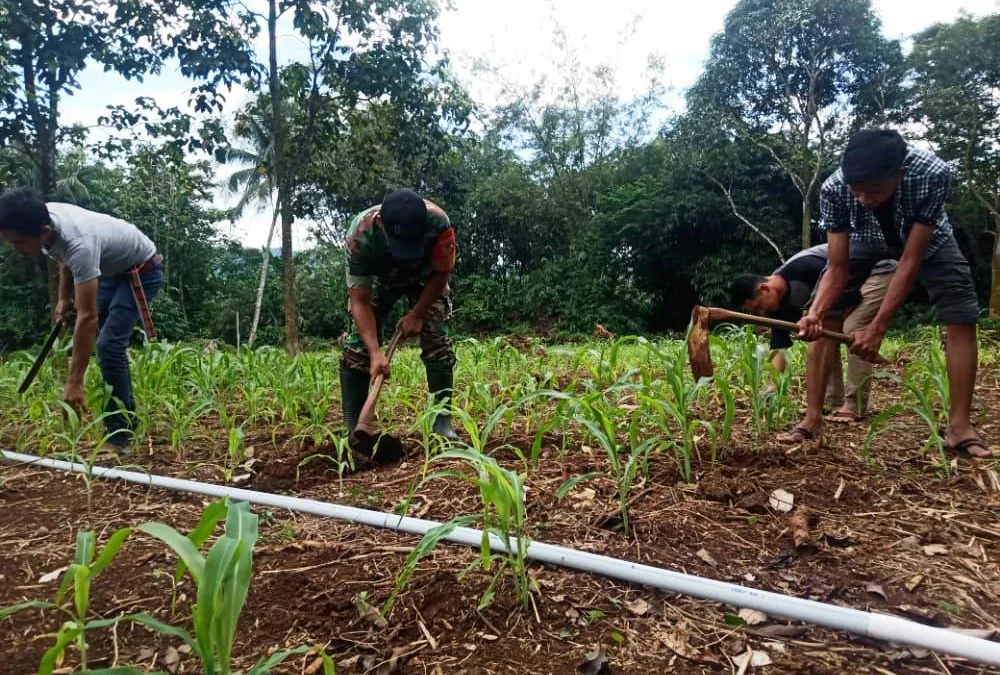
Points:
(699, 354)
(376, 447)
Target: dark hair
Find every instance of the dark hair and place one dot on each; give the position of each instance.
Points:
(744, 287)
(872, 154)
(404, 214)
(24, 212)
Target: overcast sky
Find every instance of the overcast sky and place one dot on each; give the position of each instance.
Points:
(517, 36)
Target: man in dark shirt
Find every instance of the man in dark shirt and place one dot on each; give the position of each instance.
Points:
(785, 293)
(887, 200)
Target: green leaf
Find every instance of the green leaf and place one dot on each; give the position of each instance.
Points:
(32, 604)
(67, 634)
(734, 620)
(242, 525)
(110, 550)
(568, 486)
(617, 637)
(264, 667)
(85, 544)
(213, 514)
(158, 626)
(180, 545)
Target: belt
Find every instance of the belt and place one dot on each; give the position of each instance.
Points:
(133, 276)
(151, 264)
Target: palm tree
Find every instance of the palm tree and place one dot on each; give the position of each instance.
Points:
(254, 185)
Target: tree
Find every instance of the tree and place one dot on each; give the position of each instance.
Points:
(793, 76)
(45, 44)
(360, 54)
(956, 80)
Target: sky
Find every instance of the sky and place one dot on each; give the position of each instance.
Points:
(517, 38)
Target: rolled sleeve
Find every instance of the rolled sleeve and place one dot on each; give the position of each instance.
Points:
(834, 208)
(930, 209)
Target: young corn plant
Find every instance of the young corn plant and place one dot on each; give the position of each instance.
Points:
(222, 578)
(505, 540)
(673, 409)
(627, 465)
(87, 566)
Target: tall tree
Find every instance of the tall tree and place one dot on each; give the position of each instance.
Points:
(956, 81)
(793, 75)
(359, 53)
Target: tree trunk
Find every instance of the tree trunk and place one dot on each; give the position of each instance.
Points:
(288, 284)
(284, 184)
(265, 263)
(806, 223)
(995, 286)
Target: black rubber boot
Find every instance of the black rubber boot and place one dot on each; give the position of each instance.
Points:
(353, 392)
(440, 382)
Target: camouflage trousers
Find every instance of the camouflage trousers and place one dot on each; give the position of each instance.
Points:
(435, 345)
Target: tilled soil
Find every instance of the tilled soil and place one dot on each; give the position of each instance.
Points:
(883, 530)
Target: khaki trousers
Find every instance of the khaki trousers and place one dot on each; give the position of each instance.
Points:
(854, 396)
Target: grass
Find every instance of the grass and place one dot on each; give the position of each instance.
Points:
(632, 398)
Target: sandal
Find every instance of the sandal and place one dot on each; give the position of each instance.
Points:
(962, 448)
(846, 417)
(797, 435)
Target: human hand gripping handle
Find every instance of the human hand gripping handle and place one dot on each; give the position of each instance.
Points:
(364, 419)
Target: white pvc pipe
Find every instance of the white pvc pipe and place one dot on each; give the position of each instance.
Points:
(880, 626)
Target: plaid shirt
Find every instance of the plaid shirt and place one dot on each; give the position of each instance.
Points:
(920, 198)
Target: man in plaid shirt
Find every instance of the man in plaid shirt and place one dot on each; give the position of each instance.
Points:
(887, 201)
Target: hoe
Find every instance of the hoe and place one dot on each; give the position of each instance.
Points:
(700, 356)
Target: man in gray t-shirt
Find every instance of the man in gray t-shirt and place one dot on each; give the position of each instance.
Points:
(97, 255)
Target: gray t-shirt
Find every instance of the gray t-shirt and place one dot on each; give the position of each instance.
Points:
(93, 244)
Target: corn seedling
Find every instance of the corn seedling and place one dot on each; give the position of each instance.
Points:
(79, 577)
(505, 540)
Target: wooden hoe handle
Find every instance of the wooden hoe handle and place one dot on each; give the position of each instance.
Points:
(364, 420)
(718, 314)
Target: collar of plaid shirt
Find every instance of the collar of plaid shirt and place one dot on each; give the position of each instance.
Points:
(920, 198)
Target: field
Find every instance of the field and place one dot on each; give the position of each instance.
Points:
(605, 445)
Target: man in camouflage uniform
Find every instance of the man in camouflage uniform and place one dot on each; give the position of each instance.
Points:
(403, 247)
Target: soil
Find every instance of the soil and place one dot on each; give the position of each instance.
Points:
(883, 530)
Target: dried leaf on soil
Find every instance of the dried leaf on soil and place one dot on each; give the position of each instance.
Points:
(51, 576)
(752, 617)
(799, 524)
(595, 663)
(371, 614)
(171, 659)
(707, 557)
(935, 549)
(677, 641)
(782, 500)
(753, 658)
(777, 630)
(637, 607)
(875, 589)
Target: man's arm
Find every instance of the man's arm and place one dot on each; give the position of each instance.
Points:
(66, 290)
(84, 336)
(832, 284)
(906, 275)
(364, 317)
(778, 361)
(433, 289)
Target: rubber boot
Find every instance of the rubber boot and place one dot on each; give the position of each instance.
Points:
(440, 382)
(353, 392)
